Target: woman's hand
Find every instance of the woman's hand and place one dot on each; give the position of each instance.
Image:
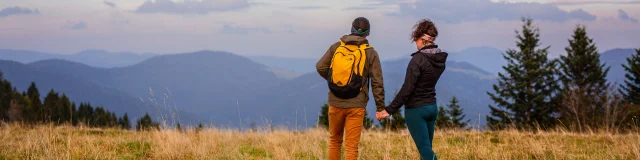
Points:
(382, 115)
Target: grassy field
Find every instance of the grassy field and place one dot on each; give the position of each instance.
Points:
(64, 142)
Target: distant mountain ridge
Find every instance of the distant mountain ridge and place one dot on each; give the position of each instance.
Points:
(21, 75)
(214, 85)
(615, 58)
(299, 65)
(204, 81)
(488, 59)
(96, 58)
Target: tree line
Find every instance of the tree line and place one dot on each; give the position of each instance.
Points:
(28, 108)
(535, 92)
(451, 117)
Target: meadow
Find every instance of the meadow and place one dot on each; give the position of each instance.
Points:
(67, 142)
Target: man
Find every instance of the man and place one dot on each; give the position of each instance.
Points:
(349, 66)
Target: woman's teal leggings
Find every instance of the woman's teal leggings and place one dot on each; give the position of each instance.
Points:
(420, 122)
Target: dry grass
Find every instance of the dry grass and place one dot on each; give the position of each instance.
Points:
(63, 142)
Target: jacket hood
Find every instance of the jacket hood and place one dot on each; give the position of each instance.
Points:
(353, 39)
(434, 55)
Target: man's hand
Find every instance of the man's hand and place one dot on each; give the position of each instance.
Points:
(382, 115)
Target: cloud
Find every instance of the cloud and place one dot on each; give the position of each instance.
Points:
(232, 29)
(71, 25)
(119, 21)
(17, 11)
(625, 17)
(373, 5)
(309, 7)
(359, 8)
(191, 6)
(260, 4)
(568, 2)
(481, 10)
(110, 4)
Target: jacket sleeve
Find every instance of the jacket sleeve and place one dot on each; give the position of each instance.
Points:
(410, 80)
(377, 83)
(325, 62)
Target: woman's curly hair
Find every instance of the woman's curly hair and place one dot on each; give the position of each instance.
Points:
(424, 26)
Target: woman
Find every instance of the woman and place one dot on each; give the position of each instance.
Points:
(418, 92)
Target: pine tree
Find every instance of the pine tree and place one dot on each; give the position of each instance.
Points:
(49, 111)
(527, 91)
(323, 119)
(85, 113)
(631, 87)
(396, 122)
(456, 114)
(146, 123)
(581, 68)
(367, 122)
(113, 120)
(126, 124)
(65, 109)
(74, 114)
(16, 108)
(179, 127)
(99, 118)
(443, 120)
(33, 90)
(254, 128)
(31, 111)
(584, 80)
(6, 95)
(200, 127)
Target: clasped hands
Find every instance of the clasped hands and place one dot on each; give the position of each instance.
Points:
(382, 115)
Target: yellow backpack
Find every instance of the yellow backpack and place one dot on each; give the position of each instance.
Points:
(345, 74)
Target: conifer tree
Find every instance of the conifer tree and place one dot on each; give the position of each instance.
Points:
(146, 123)
(126, 124)
(49, 111)
(113, 120)
(65, 109)
(631, 87)
(443, 120)
(456, 114)
(31, 111)
(367, 122)
(584, 81)
(200, 127)
(85, 112)
(74, 114)
(527, 93)
(323, 119)
(395, 122)
(16, 108)
(6, 95)
(179, 127)
(581, 68)
(99, 118)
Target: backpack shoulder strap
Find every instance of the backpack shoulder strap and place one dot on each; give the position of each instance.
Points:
(364, 47)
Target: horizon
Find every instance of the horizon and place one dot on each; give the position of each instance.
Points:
(152, 54)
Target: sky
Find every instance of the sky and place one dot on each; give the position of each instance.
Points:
(303, 28)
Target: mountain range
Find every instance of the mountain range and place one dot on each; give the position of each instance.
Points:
(220, 87)
(96, 58)
(615, 58)
(486, 58)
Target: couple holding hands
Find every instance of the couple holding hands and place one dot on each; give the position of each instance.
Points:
(351, 65)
